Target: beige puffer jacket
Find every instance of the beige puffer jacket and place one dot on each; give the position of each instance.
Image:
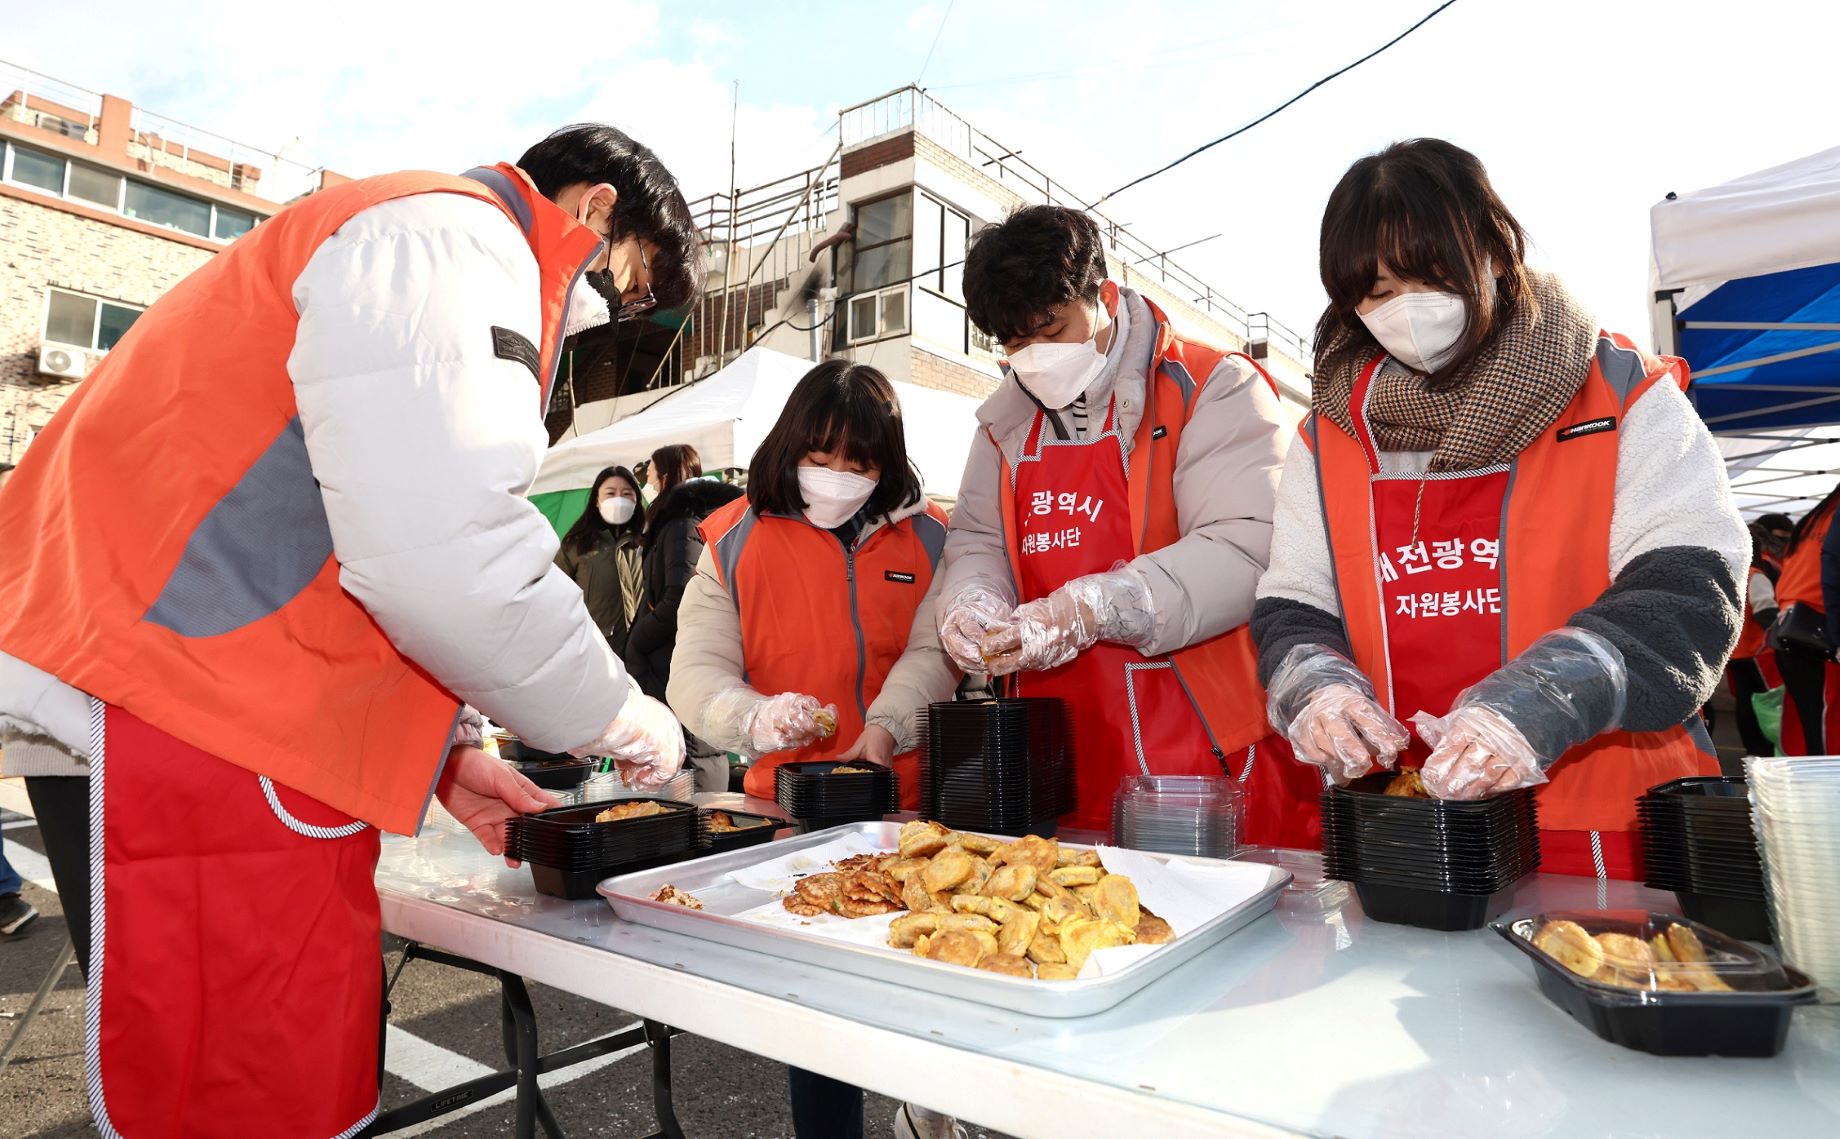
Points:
(1226, 482)
(708, 659)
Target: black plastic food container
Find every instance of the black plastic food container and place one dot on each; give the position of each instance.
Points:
(1430, 908)
(556, 774)
(1753, 1020)
(755, 830)
(808, 791)
(1747, 919)
(568, 852)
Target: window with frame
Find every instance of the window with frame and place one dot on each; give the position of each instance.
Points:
(881, 261)
(143, 201)
(883, 244)
(87, 322)
(940, 236)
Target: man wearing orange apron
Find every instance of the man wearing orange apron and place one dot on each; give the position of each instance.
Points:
(1112, 524)
(263, 652)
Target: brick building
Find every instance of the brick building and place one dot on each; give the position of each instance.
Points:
(103, 207)
(861, 258)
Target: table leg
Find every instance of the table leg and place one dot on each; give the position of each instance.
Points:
(521, 1034)
(66, 957)
(659, 1037)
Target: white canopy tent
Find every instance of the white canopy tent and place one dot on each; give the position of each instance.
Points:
(1746, 287)
(726, 415)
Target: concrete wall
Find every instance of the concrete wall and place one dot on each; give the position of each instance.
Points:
(42, 247)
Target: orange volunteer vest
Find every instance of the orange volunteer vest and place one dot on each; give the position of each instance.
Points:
(1751, 634)
(170, 550)
(1220, 673)
(1555, 560)
(823, 622)
(1800, 581)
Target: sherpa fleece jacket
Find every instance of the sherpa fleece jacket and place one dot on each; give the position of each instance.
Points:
(1678, 553)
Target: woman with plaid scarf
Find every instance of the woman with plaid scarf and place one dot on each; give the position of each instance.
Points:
(1504, 528)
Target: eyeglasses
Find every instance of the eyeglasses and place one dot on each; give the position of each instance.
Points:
(630, 309)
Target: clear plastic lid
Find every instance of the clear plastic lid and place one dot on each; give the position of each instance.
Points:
(1639, 952)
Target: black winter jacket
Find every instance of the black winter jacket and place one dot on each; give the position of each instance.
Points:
(672, 547)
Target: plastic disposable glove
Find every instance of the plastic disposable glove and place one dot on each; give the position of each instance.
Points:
(1506, 729)
(645, 741)
(965, 620)
(1051, 631)
(1326, 708)
(1475, 753)
(766, 724)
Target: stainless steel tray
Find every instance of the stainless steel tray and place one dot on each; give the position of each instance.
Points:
(707, 878)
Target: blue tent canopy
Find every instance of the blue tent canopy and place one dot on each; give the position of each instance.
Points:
(1765, 351)
(1746, 280)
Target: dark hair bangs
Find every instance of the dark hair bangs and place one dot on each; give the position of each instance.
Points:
(1020, 269)
(1425, 207)
(843, 408)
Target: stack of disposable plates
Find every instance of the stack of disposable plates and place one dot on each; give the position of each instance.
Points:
(1179, 814)
(1697, 840)
(1435, 863)
(1795, 804)
(998, 766)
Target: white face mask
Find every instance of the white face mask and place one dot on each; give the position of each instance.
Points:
(833, 497)
(1057, 374)
(1421, 330)
(587, 309)
(618, 511)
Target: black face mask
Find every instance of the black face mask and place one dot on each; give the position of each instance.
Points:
(601, 281)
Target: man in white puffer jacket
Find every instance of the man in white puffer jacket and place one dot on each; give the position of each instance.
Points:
(264, 648)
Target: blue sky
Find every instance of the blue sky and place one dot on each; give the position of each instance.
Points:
(1585, 111)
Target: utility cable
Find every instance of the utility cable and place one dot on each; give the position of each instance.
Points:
(1268, 114)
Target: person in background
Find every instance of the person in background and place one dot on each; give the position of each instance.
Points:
(1503, 525)
(282, 640)
(1112, 523)
(673, 546)
(16, 914)
(1752, 668)
(601, 554)
(670, 466)
(1804, 650)
(813, 602)
(1775, 530)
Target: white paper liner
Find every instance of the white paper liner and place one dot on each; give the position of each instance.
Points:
(1185, 895)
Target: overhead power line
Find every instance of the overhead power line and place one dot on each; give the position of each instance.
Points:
(1268, 114)
(929, 51)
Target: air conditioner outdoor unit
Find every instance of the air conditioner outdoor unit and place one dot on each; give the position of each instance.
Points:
(61, 361)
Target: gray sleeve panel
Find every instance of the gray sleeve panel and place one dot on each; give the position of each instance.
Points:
(1674, 615)
(1280, 625)
(255, 551)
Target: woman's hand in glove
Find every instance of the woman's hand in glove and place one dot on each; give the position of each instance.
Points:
(1345, 731)
(788, 721)
(645, 741)
(1475, 753)
(1052, 630)
(966, 620)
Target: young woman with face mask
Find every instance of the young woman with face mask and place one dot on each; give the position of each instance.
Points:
(817, 589)
(813, 602)
(1112, 524)
(601, 553)
(1502, 526)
